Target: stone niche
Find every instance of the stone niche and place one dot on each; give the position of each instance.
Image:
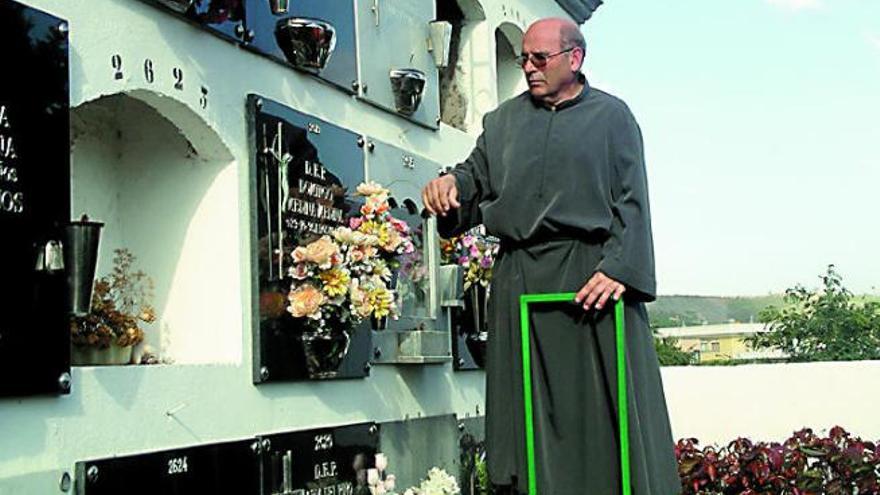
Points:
(165, 187)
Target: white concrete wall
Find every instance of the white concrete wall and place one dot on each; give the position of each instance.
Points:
(717, 404)
(184, 213)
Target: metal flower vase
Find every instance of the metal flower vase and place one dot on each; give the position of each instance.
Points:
(476, 300)
(408, 86)
(306, 43)
(81, 239)
(324, 352)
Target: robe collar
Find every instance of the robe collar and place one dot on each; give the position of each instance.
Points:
(570, 102)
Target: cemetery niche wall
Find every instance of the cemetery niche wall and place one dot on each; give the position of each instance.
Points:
(326, 461)
(302, 185)
(34, 202)
(315, 36)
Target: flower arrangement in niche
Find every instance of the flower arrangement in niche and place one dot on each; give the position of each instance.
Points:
(439, 482)
(475, 253)
(393, 234)
(378, 481)
(121, 304)
(340, 279)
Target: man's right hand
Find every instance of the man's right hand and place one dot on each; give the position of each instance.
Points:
(441, 195)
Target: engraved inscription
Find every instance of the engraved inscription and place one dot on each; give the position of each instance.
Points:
(12, 201)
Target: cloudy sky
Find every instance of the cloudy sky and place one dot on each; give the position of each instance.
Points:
(762, 129)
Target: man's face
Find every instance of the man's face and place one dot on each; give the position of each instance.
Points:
(547, 80)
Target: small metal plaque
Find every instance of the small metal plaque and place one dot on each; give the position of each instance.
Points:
(265, 17)
(327, 461)
(304, 174)
(34, 201)
(223, 469)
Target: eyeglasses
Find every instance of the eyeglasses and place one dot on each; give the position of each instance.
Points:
(539, 59)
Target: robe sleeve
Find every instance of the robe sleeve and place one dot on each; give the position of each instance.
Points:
(472, 182)
(628, 254)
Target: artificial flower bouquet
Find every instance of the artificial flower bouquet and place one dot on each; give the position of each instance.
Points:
(475, 253)
(343, 278)
(439, 482)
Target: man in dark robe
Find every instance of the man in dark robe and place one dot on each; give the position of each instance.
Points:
(558, 175)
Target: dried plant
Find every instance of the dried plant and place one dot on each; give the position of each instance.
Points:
(121, 302)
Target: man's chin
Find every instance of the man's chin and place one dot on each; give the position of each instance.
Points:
(538, 91)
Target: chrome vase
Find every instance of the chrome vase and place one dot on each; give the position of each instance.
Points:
(306, 43)
(81, 239)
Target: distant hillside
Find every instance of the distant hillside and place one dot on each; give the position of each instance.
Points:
(670, 311)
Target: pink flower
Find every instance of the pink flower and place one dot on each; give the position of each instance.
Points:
(355, 222)
(399, 225)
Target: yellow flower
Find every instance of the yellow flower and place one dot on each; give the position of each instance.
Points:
(335, 282)
(382, 301)
(379, 230)
(305, 300)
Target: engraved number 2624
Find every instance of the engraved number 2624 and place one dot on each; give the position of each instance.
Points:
(324, 442)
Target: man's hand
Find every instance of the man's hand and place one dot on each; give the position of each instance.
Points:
(597, 290)
(441, 195)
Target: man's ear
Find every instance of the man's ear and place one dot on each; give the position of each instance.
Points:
(577, 59)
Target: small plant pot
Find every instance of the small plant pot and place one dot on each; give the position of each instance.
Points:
(94, 356)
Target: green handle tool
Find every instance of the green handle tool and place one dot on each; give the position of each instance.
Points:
(622, 415)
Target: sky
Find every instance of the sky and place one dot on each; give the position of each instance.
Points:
(761, 121)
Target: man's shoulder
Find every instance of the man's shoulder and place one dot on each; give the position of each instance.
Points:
(601, 98)
(512, 104)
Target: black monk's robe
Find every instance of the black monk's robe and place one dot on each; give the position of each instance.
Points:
(565, 190)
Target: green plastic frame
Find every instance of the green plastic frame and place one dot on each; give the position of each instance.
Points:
(623, 420)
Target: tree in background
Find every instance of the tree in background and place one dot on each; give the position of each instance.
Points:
(829, 324)
(668, 352)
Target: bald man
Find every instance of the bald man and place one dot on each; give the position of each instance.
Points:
(558, 175)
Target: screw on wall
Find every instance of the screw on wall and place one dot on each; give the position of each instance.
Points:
(63, 29)
(64, 382)
(355, 86)
(65, 482)
(361, 142)
(259, 103)
(264, 373)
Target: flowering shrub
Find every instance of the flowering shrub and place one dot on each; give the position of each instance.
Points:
(805, 464)
(340, 280)
(120, 303)
(473, 252)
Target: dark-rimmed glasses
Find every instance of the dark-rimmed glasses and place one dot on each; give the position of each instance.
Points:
(539, 59)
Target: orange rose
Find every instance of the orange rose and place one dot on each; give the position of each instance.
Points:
(322, 252)
(305, 300)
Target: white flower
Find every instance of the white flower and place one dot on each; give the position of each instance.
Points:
(371, 188)
(381, 462)
(372, 477)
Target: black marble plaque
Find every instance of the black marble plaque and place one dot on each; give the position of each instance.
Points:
(304, 174)
(34, 199)
(263, 19)
(327, 461)
(225, 18)
(231, 468)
